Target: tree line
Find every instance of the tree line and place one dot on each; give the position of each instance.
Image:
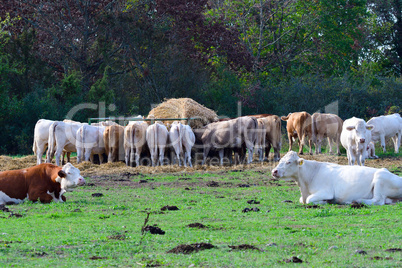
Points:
(272, 56)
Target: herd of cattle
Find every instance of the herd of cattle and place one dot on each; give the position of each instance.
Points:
(319, 182)
(228, 138)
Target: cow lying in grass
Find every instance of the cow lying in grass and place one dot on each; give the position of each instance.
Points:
(321, 182)
(44, 182)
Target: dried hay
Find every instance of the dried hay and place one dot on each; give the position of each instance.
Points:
(9, 163)
(184, 108)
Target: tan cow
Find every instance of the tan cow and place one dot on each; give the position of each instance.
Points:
(260, 140)
(113, 137)
(298, 126)
(134, 141)
(273, 137)
(326, 125)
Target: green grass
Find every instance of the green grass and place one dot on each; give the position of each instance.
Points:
(70, 234)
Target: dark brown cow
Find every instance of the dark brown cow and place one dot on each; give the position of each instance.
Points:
(228, 134)
(113, 137)
(44, 182)
(298, 126)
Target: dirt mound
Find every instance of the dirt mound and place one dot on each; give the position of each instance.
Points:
(184, 108)
(244, 247)
(187, 249)
(197, 225)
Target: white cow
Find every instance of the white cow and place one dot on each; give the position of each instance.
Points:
(322, 182)
(182, 138)
(62, 136)
(90, 142)
(259, 145)
(157, 135)
(385, 127)
(41, 137)
(134, 141)
(355, 137)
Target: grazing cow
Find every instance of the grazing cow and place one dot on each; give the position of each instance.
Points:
(182, 138)
(229, 134)
(385, 127)
(355, 137)
(44, 182)
(326, 125)
(90, 142)
(62, 136)
(272, 136)
(134, 141)
(157, 136)
(322, 182)
(298, 126)
(113, 138)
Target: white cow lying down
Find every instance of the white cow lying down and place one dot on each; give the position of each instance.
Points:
(322, 182)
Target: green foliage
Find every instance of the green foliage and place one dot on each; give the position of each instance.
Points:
(100, 90)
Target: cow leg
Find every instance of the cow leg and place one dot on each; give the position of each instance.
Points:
(40, 149)
(290, 137)
(162, 155)
(382, 138)
(396, 141)
(319, 198)
(206, 152)
(137, 156)
(68, 157)
(267, 150)
(127, 155)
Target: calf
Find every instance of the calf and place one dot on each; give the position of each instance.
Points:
(321, 182)
(44, 182)
(385, 127)
(355, 137)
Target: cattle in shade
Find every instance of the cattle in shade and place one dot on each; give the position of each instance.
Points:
(44, 183)
(322, 182)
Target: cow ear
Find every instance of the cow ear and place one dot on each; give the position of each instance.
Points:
(369, 127)
(350, 128)
(300, 161)
(62, 174)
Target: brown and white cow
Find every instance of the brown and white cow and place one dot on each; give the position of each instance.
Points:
(298, 126)
(113, 137)
(44, 182)
(135, 141)
(326, 125)
(228, 134)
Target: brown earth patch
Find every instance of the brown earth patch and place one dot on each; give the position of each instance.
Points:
(187, 249)
(244, 247)
(197, 225)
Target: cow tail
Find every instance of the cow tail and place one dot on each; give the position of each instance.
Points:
(51, 142)
(285, 118)
(180, 130)
(34, 145)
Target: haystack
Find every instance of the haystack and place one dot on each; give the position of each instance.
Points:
(184, 108)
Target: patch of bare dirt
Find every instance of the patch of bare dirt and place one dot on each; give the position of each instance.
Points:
(197, 225)
(187, 249)
(244, 247)
(154, 229)
(164, 208)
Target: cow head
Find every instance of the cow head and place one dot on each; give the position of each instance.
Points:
(288, 166)
(69, 177)
(360, 130)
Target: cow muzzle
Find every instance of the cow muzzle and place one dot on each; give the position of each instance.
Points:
(362, 140)
(275, 173)
(81, 181)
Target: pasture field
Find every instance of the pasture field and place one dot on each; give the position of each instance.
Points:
(241, 217)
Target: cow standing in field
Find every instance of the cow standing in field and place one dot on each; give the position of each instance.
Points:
(355, 137)
(385, 127)
(326, 125)
(62, 136)
(44, 182)
(260, 139)
(113, 138)
(298, 126)
(272, 136)
(182, 140)
(89, 143)
(135, 141)
(157, 136)
(229, 134)
(41, 138)
(322, 183)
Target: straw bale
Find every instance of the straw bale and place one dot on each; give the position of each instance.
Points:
(184, 108)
